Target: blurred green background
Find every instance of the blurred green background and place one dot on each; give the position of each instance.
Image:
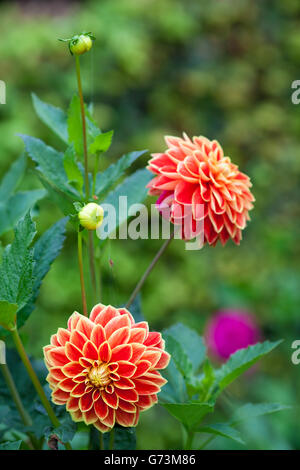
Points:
(222, 69)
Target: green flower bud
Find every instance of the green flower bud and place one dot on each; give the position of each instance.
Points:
(80, 43)
(91, 216)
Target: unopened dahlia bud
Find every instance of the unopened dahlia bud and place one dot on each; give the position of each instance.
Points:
(91, 216)
(80, 43)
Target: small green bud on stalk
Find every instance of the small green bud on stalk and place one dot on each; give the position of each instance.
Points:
(91, 216)
(80, 43)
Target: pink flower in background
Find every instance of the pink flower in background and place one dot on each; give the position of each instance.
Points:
(230, 330)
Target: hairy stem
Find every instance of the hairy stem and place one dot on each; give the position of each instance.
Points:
(85, 152)
(35, 381)
(148, 271)
(80, 262)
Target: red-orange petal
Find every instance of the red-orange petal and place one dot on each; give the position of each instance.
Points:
(163, 361)
(116, 323)
(96, 310)
(67, 384)
(145, 387)
(72, 404)
(123, 352)
(98, 335)
(106, 315)
(57, 373)
(109, 420)
(125, 419)
(120, 336)
(126, 369)
(124, 383)
(78, 390)
(90, 351)
(78, 338)
(57, 356)
(72, 368)
(128, 394)
(86, 401)
(111, 399)
(127, 406)
(72, 352)
(101, 408)
(137, 351)
(141, 368)
(85, 326)
(105, 352)
(60, 395)
(63, 336)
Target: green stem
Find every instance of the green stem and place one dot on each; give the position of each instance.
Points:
(85, 152)
(101, 441)
(35, 381)
(111, 439)
(18, 402)
(95, 172)
(91, 251)
(80, 262)
(189, 441)
(148, 271)
(86, 175)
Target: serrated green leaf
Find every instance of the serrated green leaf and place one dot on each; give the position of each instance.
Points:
(71, 168)
(101, 143)
(253, 410)
(17, 206)
(65, 432)
(191, 343)
(174, 391)
(46, 250)
(134, 188)
(8, 314)
(17, 265)
(179, 356)
(50, 164)
(242, 360)
(14, 445)
(189, 414)
(64, 201)
(53, 117)
(205, 384)
(109, 177)
(12, 178)
(224, 430)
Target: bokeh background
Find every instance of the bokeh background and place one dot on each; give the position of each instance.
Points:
(222, 69)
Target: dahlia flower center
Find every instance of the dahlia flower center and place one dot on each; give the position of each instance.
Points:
(99, 375)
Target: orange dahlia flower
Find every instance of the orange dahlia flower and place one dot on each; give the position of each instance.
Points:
(105, 368)
(196, 174)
